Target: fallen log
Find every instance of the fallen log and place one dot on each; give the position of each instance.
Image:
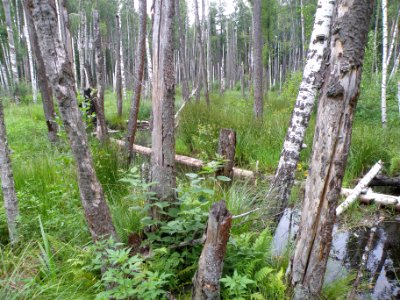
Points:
(382, 180)
(369, 197)
(359, 188)
(206, 280)
(195, 163)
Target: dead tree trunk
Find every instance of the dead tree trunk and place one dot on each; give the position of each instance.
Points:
(257, 56)
(118, 79)
(284, 176)
(331, 146)
(141, 50)
(206, 280)
(182, 56)
(7, 182)
(60, 74)
(163, 95)
(101, 130)
(226, 148)
(45, 89)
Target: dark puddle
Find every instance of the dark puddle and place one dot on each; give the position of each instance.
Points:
(382, 273)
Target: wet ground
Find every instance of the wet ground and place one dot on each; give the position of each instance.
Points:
(382, 274)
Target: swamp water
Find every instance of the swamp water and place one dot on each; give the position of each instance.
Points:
(382, 274)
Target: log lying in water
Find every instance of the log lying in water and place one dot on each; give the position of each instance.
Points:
(194, 162)
(369, 197)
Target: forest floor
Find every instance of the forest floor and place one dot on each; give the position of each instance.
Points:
(57, 260)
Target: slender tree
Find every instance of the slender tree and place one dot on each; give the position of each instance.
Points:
(60, 74)
(331, 145)
(284, 177)
(140, 55)
(118, 83)
(44, 85)
(101, 129)
(162, 170)
(182, 55)
(257, 60)
(384, 61)
(7, 182)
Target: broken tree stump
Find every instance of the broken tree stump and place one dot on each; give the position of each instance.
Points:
(206, 280)
(359, 188)
(227, 149)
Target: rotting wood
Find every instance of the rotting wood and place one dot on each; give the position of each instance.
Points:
(382, 180)
(359, 188)
(197, 163)
(206, 280)
(227, 149)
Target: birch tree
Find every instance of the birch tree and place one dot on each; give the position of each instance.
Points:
(331, 145)
(59, 72)
(257, 60)
(11, 44)
(101, 130)
(162, 170)
(140, 55)
(30, 57)
(44, 85)
(7, 182)
(384, 61)
(284, 177)
(118, 79)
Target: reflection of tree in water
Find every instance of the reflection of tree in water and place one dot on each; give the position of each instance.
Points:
(383, 267)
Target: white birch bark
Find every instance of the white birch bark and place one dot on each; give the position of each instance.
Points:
(394, 38)
(148, 58)
(31, 64)
(121, 54)
(395, 66)
(284, 176)
(384, 61)
(10, 35)
(359, 188)
(7, 182)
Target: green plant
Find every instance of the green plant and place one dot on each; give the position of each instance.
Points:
(237, 286)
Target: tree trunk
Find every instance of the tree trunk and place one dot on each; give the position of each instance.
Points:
(257, 60)
(81, 50)
(101, 130)
(11, 45)
(284, 177)
(118, 84)
(141, 49)
(59, 72)
(7, 182)
(331, 146)
(163, 141)
(206, 280)
(227, 148)
(202, 62)
(303, 36)
(384, 61)
(121, 51)
(44, 86)
(182, 56)
(30, 57)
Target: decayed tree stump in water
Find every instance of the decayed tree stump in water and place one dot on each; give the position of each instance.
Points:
(227, 148)
(206, 280)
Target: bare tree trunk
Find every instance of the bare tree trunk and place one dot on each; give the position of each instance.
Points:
(7, 182)
(384, 61)
(374, 50)
(202, 62)
(101, 129)
(257, 59)
(140, 54)
(182, 56)
(30, 57)
(163, 141)
(45, 89)
(121, 51)
(118, 84)
(206, 280)
(331, 146)
(11, 45)
(59, 71)
(303, 36)
(81, 50)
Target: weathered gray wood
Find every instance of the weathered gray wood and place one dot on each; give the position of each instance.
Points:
(227, 149)
(162, 170)
(59, 72)
(118, 78)
(206, 280)
(135, 104)
(7, 182)
(331, 146)
(257, 61)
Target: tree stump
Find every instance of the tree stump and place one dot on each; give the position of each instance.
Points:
(227, 148)
(206, 280)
